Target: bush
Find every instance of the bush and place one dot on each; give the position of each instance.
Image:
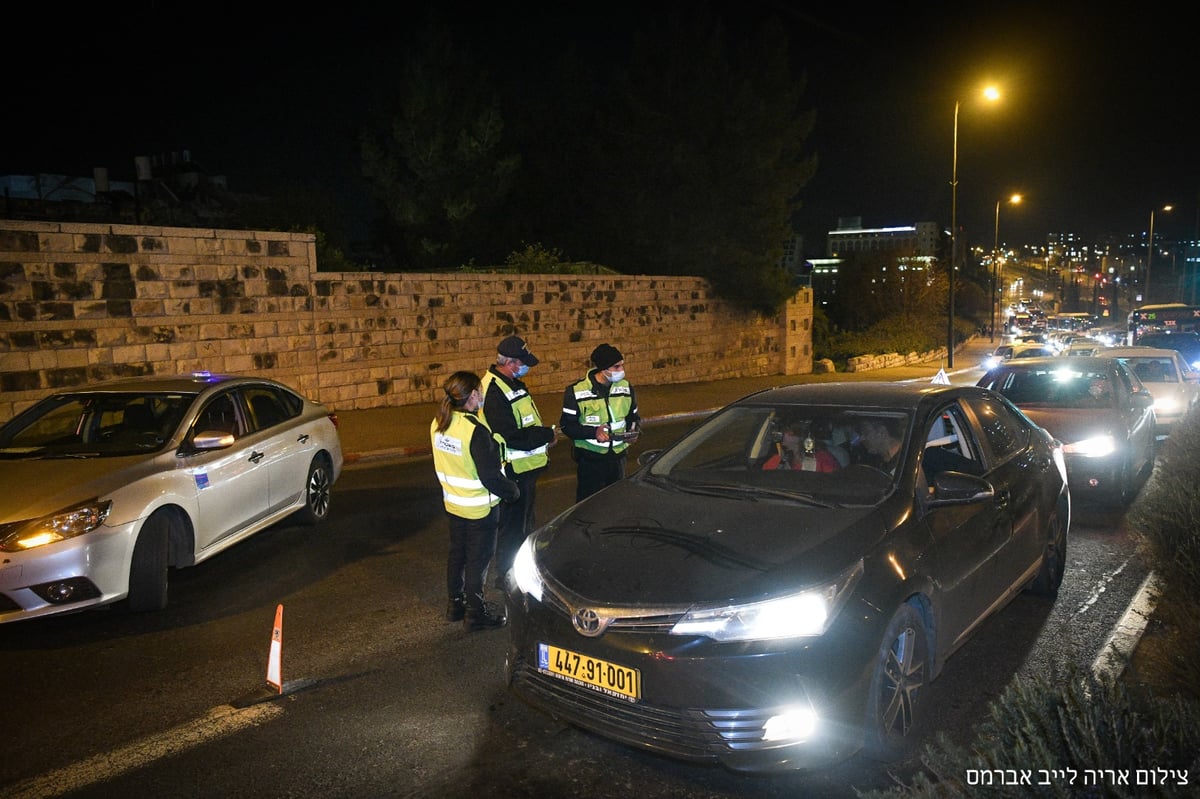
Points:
(899, 334)
(1163, 516)
(1068, 736)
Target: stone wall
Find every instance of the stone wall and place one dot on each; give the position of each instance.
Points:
(87, 302)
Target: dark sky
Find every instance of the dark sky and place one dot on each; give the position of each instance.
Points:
(1096, 128)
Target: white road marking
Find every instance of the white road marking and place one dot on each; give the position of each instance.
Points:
(219, 722)
(1117, 650)
(1094, 595)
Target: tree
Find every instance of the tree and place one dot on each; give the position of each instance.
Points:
(696, 160)
(437, 159)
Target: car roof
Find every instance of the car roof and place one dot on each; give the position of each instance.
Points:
(1142, 352)
(191, 383)
(865, 394)
(1093, 362)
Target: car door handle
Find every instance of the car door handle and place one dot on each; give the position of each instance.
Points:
(256, 456)
(303, 439)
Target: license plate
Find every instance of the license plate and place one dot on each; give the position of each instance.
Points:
(599, 675)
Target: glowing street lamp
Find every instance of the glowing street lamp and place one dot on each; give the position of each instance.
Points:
(1013, 200)
(1150, 255)
(990, 93)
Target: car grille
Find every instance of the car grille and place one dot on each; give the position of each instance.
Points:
(697, 734)
(627, 620)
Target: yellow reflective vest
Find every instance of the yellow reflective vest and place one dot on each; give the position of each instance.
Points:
(596, 411)
(525, 414)
(462, 491)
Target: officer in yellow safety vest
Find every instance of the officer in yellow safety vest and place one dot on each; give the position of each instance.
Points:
(469, 467)
(510, 412)
(600, 414)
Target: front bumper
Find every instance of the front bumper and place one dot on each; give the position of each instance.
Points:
(95, 565)
(703, 701)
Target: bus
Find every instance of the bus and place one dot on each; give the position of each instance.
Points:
(1071, 321)
(1174, 317)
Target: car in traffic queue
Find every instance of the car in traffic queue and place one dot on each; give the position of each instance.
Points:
(1100, 411)
(1175, 385)
(111, 485)
(712, 610)
(1024, 349)
(1186, 342)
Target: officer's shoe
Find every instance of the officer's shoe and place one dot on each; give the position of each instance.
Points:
(485, 618)
(456, 608)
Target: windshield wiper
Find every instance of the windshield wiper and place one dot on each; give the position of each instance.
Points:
(751, 493)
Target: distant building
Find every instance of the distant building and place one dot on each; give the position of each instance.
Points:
(915, 247)
(922, 239)
(169, 189)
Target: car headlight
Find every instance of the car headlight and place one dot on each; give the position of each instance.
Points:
(525, 571)
(1168, 405)
(1094, 447)
(64, 524)
(807, 613)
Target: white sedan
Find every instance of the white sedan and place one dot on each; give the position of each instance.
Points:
(109, 486)
(1175, 386)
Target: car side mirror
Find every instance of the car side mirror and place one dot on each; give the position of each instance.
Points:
(648, 456)
(212, 439)
(958, 488)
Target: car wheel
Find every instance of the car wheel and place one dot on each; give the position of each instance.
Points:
(1050, 574)
(317, 489)
(148, 567)
(898, 683)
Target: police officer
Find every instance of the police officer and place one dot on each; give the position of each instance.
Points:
(511, 414)
(468, 464)
(600, 414)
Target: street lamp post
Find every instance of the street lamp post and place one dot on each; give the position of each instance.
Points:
(1016, 198)
(953, 245)
(1150, 255)
(990, 93)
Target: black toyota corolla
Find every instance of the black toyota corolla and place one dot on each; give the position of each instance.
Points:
(776, 589)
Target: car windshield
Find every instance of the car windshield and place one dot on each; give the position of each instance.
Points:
(810, 454)
(94, 424)
(1053, 385)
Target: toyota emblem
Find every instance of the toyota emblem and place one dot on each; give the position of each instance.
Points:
(587, 622)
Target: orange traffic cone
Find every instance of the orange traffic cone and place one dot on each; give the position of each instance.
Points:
(274, 664)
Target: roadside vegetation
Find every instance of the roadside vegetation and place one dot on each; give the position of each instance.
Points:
(1075, 734)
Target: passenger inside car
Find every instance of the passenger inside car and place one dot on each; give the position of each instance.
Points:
(1150, 371)
(798, 449)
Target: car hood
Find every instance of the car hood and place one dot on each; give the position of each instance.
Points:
(1069, 425)
(33, 488)
(638, 543)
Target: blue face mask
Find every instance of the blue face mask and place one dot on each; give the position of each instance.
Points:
(522, 370)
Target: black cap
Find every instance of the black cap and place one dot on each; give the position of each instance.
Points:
(606, 355)
(514, 347)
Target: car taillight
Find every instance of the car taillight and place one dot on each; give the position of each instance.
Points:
(333, 418)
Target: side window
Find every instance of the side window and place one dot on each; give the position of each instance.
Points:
(266, 407)
(219, 415)
(950, 446)
(1005, 431)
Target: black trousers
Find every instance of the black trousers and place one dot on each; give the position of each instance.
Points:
(516, 522)
(472, 545)
(595, 472)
